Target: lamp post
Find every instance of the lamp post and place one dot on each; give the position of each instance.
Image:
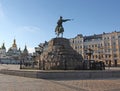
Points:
(39, 62)
(89, 52)
(0, 58)
(43, 64)
(99, 55)
(21, 61)
(65, 65)
(33, 58)
(20, 64)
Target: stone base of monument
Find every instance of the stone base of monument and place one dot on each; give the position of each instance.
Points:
(59, 55)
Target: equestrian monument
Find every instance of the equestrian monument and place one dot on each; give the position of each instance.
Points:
(58, 54)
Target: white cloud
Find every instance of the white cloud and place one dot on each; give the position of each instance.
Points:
(29, 29)
(31, 50)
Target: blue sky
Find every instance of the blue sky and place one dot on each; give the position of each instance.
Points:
(31, 22)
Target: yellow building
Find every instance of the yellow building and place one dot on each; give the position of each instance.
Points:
(106, 47)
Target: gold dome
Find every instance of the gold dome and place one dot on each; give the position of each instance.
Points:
(14, 43)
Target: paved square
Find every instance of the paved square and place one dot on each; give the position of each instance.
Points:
(16, 83)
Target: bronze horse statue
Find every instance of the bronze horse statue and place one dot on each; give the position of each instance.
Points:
(59, 28)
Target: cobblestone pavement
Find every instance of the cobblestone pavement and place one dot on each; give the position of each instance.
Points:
(92, 85)
(15, 83)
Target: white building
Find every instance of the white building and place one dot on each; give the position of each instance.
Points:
(3, 51)
(13, 55)
(13, 51)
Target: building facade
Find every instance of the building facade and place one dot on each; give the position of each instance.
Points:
(2, 51)
(105, 47)
(13, 51)
(14, 54)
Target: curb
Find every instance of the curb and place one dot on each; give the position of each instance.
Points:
(64, 74)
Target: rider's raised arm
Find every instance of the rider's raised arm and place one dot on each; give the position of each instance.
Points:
(66, 20)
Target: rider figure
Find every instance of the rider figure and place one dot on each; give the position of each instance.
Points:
(59, 27)
(60, 21)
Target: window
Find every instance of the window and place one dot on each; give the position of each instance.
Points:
(92, 45)
(113, 37)
(109, 56)
(106, 61)
(105, 56)
(101, 56)
(81, 47)
(105, 44)
(75, 47)
(108, 50)
(73, 41)
(96, 56)
(85, 47)
(93, 56)
(95, 45)
(114, 43)
(114, 49)
(115, 55)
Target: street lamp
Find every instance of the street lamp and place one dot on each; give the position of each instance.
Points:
(89, 53)
(20, 64)
(0, 58)
(21, 61)
(33, 58)
(65, 64)
(39, 52)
